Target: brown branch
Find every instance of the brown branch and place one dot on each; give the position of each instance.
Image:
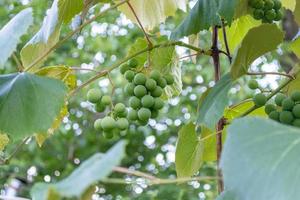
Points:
(226, 41)
(270, 73)
(83, 69)
(19, 64)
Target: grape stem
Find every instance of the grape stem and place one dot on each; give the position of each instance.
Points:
(226, 41)
(270, 73)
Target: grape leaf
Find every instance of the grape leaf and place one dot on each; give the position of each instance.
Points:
(10, 34)
(4, 140)
(297, 13)
(152, 12)
(94, 169)
(226, 195)
(255, 156)
(289, 4)
(29, 103)
(202, 16)
(68, 9)
(295, 46)
(227, 9)
(189, 149)
(258, 41)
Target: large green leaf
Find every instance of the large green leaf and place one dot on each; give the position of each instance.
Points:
(202, 16)
(294, 84)
(260, 160)
(152, 12)
(297, 13)
(189, 149)
(92, 170)
(29, 103)
(289, 4)
(295, 46)
(68, 9)
(212, 107)
(227, 9)
(258, 41)
(226, 195)
(10, 34)
(237, 31)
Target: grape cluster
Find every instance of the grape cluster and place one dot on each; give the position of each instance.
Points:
(111, 124)
(286, 109)
(144, 92)
(266, 10)
(259, 99)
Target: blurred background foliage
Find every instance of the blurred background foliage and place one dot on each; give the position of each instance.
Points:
(152, 148)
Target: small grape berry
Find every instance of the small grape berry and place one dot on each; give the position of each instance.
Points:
(94, 95)
(260, 100)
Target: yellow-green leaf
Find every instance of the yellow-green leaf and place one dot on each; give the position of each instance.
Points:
(289, 4)
(4, 140)
(297, 13)
(295, 46)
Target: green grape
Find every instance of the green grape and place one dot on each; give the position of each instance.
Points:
(94, 95)
(100, 107)
(288, 104)
(97, 125)
(132, 115)
(258, 4)
(108, 123)
(140, 91)
(106, 100)
(150, 84)
(269, 4)
(286, 117)
(277, 5)
(144, 114)
(155, 75)
(124, 68)
(158, 104)
(169, 78)
(119, 108)
(274, 115)
(140, 79)
(147, 101)
(266, 21)
(134, 102)
(279, 98)
(108, 134)
(279, 15)
(269, 108)
(258, 14)
(296, 122)
(295, 95)
(157, 92)
(154, 114)
(129, 75)
(129, 89)
(143, 123)
(253, 84)
(270, 14)
(162, 82)
(133, 63)
(122, 124)
(260, 99)
(296, 110)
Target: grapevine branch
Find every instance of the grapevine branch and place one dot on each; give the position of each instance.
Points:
(19, 64)
(226, 41)
(270, 73)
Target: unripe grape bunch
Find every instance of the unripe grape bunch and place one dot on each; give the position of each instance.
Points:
(115, 121)
(266, 10)
(144, 92)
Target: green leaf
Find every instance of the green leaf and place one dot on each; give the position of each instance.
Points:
(189, 149)
(212, 108)
(10, 34)
(68, 9)
(237, 31)
(4, 140)
(258, 41)
(94, 169)
(29, 103)
(295, 84)
(226, 195)
(202, 16)
(289, 4)
(241, 9)
(227, 9)
(297, 13)
(295, 46)
(152, 12)
(260, 160)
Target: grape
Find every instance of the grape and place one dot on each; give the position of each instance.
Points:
(295, 95)
(133, 63)
(269, 4)
(122, 124)
(140, 79)
(106, 100)
(129, 89)
(134, 102)
(140, 91)
(132, 115)
(129, 75)
(143, 123)
(288, 104)
(296, 122)
(154, 114)
(169, 78)
(269, 108)
(260, 99)
(108, 123)
(279, 98)
(97, 125)
(158, 104)
(157, 92)
(123, 68)
(162, 82)
(94, 95)
(150, 84)
(253, 84)
(270, 14)
(144, 114)
(108, 134)
(155, 75)
(286, 117)
(258, 4)
(296, 110)
(279, 15)
(274, 115)
(100, 107)
(258, 14)
(277, 5)
(147, 101)
(119, 108)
